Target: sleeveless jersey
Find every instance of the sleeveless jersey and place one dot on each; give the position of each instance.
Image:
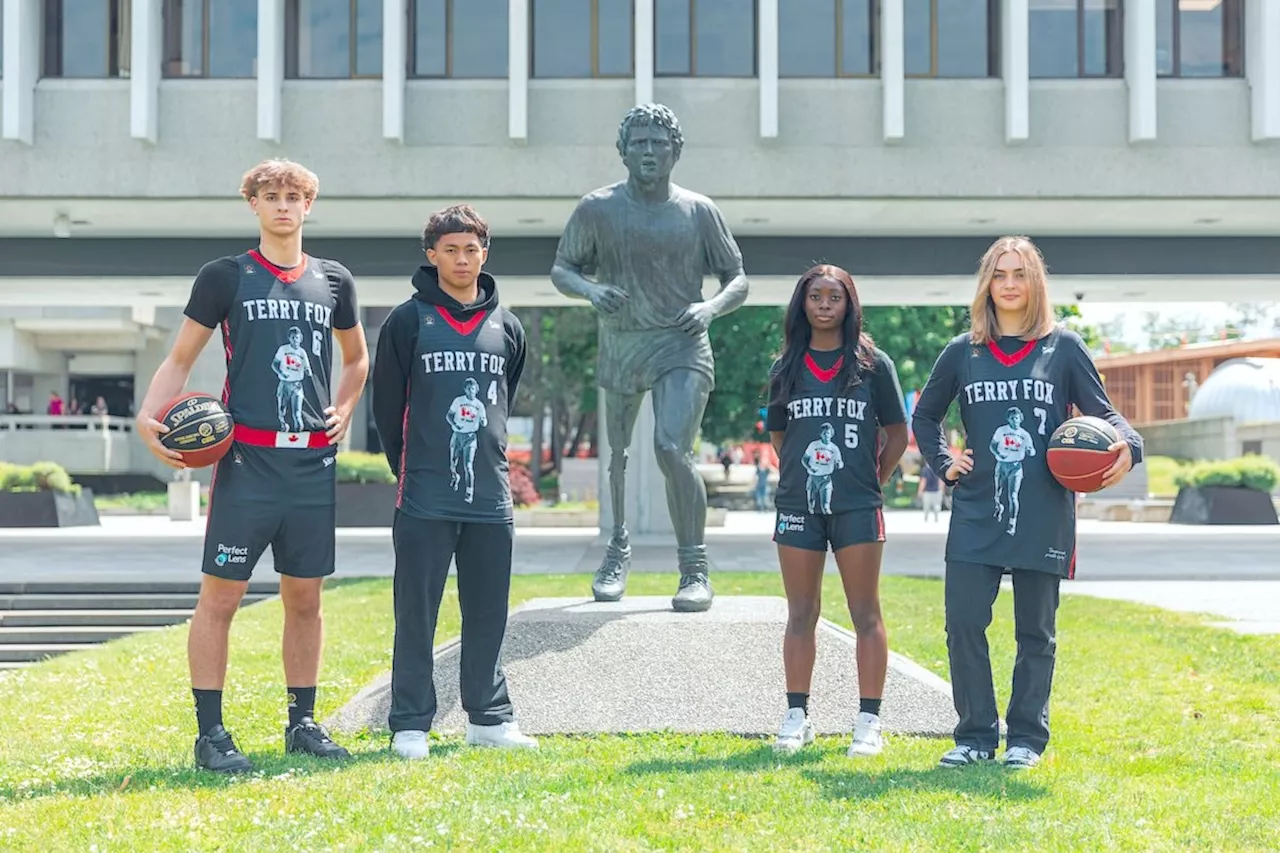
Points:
(1010, 511)
(829, 462)
(453, 463)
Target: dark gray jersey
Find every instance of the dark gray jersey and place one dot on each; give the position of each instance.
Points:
(1010, 511)
(277, 334)
(830, 460)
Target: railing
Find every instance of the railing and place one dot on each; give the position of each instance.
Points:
(80, 443)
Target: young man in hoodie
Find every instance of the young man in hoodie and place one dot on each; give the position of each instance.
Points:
(445, 374)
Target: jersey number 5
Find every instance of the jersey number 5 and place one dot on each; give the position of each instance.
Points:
(316, 341)
(851, 436)
(493, 392)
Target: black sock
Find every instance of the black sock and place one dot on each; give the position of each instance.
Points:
(798, 700)
(302, 703)
(208, 709)
(870, 706)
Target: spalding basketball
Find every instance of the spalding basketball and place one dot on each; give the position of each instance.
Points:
(1078, 456)
(199, 428)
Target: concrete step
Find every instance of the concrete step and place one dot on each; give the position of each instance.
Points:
(13, 664)
(84, 618)
(62, 634)
(38, 651)
(108, 601)
(121, 588)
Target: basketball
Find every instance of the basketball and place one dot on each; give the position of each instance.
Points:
(199, 428)
(1078, 456)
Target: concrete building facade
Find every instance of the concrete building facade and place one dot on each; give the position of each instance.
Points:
(1137, 140)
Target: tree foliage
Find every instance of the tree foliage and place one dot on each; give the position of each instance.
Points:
(745, 344)
(559, 375)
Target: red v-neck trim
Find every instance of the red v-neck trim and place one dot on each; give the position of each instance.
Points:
(1008, 359)
(288, 276)
(823, 374)
(462, 327)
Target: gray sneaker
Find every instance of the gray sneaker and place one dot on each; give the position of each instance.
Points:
(695, 593)
(610, 583)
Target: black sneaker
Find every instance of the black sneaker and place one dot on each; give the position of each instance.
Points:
(695, 593)
(216, 751)
(610, 582)
(310, 737)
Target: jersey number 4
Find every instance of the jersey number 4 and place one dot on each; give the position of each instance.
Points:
(493, 392)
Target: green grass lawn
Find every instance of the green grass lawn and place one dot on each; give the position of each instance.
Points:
(1164, 739)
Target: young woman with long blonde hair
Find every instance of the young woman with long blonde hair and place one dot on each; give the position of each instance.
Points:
(1016, 374)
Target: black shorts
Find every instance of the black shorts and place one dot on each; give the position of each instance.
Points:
(241, 524)
(820, 532)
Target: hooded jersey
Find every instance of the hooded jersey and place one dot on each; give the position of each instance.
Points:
(277, 332)
(444, 378)
(830, 460)
(1009, 511)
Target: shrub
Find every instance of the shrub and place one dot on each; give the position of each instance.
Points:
(1250, 472)
(358, 467)
(40, 477)
(523, 490)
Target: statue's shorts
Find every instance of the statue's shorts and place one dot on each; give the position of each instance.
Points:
(631, 361)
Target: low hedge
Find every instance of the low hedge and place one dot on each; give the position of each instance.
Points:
(40, 477)
(1252, 472)
(358, 467)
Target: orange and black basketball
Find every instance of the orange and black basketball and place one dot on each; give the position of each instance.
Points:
(199, 428)
(1078, 455)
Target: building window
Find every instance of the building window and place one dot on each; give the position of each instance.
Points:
(1076, 38)
(1200, 38)
(827, 38)
(211, 38)
(952, 38)
(333, 39)
(704, 38)
(86, 38)
(458, 38)
(582, 38)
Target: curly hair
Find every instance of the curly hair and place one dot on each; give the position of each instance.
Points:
(651, 114)
(458, 219)
(281, 173)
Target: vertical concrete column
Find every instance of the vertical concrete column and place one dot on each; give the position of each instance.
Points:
(642, 26)
(1015, 67)
(893, 69)
(395, 67)
(1262, 55)
(270, 68)
(646, 504)
(767, 15)
(21, 69)
(146, 48)
(1140, 68)
(518, 70)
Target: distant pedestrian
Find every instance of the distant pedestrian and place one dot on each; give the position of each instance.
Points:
(761, 493)
(930, 492)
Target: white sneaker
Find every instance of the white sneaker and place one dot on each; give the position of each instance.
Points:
(1020, 758)
(795, 732)
(503, 735)
(410, 744)
(867, 739)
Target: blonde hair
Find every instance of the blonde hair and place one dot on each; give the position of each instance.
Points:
(1037, 318)
(281, 173)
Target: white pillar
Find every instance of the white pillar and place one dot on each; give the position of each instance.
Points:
(394, 68)
(1015, 66)
(1140, 68)
(147, 46)
(518, 70)
(646, 503)
(767, 14)
(642, 26)
(893, 69)
(21, 69)
(1262, 55)
(270, 68)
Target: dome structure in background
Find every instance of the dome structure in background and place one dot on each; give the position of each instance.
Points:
(1246, 389)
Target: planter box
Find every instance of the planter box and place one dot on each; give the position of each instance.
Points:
(588, 517)
(1223, 505)
(48, 509)
(365, 504)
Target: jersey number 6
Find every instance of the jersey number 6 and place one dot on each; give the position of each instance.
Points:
(316, 342)
(851, 436)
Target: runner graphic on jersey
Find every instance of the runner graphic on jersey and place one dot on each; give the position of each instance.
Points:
(1010, 444)
(821, 459)
(291, 366)
(466, 416)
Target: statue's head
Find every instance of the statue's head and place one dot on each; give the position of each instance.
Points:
(650, 141)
